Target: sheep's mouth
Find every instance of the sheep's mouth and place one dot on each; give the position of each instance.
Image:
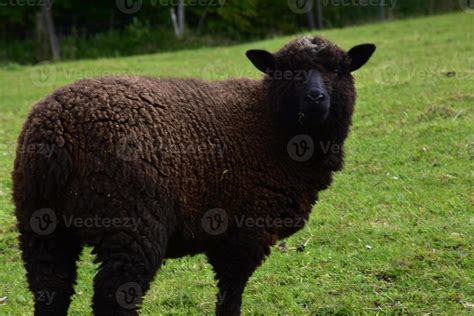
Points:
(312, 118)
(301, 118)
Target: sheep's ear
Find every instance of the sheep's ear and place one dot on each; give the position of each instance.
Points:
(360, 54)
(263, 60)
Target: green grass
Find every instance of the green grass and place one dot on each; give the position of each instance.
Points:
(394, 233)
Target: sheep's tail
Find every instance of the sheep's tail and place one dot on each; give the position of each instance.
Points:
(42, 166)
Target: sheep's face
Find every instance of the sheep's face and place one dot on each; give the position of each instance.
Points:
(310, 79)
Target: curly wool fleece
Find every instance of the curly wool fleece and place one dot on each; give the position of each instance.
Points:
(180, 158)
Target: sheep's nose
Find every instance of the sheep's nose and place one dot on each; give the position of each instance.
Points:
(315, 97)
(315, 101)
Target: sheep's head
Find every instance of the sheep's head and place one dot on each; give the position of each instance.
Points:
(310, 82)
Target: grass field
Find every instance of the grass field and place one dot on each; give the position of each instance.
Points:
(393, 234)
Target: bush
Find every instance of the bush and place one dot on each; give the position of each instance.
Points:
(101, 31)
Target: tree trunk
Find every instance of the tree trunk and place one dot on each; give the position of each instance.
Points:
(201, 20)
(49, 24)
(174, 19)
(382, 10)
(310, 15)
(42, 44)
(181, 17)
(111, 21)
(319, 12)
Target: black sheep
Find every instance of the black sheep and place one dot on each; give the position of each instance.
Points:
(144, 169)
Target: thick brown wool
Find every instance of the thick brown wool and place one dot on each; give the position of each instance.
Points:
(162, 153)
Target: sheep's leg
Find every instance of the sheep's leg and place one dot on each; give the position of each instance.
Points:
(129, 261)
(50, 262)
(234, 261)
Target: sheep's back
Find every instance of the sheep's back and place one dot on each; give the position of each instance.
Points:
(185, 141)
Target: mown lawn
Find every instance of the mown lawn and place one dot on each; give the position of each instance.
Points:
(395, 231)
